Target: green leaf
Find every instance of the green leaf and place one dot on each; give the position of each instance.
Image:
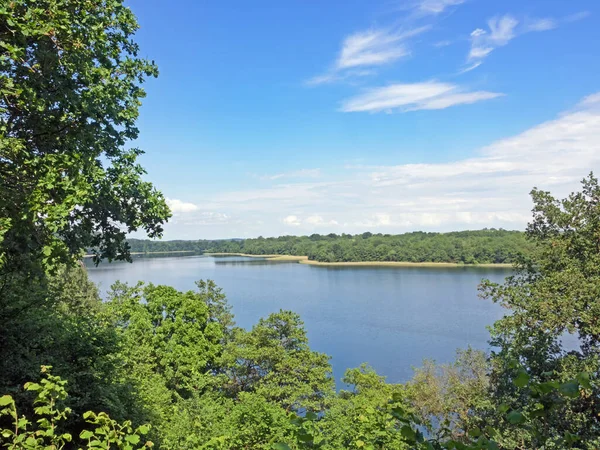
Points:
(305, 437)
(475, 432)
(6, 400)
(584, 380)
(311, 416)
(546, 387)
(85, 434)
(569, 389)
(521, 379)
(281, 446)
(408, 432)
(515, 417)
(134, 438)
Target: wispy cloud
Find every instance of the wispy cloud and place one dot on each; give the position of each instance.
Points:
(369, 48)
(473, 66)
(541, 24)
(336, 75)
(374, 47)
(413, 97)
(441, 44)
(436, 6)
(577, 16)
(489, 189)
(178, 206)
(501, 30)
(302, 173)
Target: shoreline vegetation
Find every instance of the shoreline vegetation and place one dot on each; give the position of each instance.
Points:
(88, 255)
(305, 260)
(488, 246)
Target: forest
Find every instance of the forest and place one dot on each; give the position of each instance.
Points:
(488, 246)
(156, 367)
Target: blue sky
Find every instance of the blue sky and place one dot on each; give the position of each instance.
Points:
(294, 117)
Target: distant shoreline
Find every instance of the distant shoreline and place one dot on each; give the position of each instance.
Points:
(305, 260)
(152, 253)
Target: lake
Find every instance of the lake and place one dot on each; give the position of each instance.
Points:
(389, 317)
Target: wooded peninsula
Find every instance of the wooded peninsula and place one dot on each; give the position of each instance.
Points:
(487, 246)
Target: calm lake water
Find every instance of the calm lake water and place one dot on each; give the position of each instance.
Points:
(391, 318)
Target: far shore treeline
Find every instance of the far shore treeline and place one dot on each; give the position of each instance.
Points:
(487, 246)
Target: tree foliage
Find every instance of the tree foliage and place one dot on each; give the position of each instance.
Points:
(488, 246)
(70, 91)
(553, 330)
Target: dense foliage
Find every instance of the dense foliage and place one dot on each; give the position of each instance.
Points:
(489, 246)
(154, 366)
(70, 91)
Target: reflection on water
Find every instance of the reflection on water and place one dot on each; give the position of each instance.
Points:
(390, 317)
(247, 260)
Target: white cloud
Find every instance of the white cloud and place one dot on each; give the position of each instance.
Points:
(369, 48)
(436, 6)
(542, 25)
(178, 206)
(577, 16)
(479, 53)
(206, 218)
(291, 221)
(372, 48)
(335, 76)
(318, 220)
(473, 66)
(488, 189)
(501, 30)
(302, 173)
(413, 97)
(377, 220)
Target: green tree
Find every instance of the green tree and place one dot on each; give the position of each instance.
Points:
(448, 397)
(166, 331)
(553, 295)
(70, 91)
(275, 361)
(362, 416)
(65, 329)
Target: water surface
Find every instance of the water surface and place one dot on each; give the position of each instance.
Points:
(389, 317)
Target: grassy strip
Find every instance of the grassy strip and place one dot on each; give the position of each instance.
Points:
(305, 260)
(268, 257)
(399, 264)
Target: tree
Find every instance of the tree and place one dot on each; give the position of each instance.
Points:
(362, 416)
(70, 91)
(554, 294)
(65, 329)
(167, 331)
(275, 361)
(448, 397)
